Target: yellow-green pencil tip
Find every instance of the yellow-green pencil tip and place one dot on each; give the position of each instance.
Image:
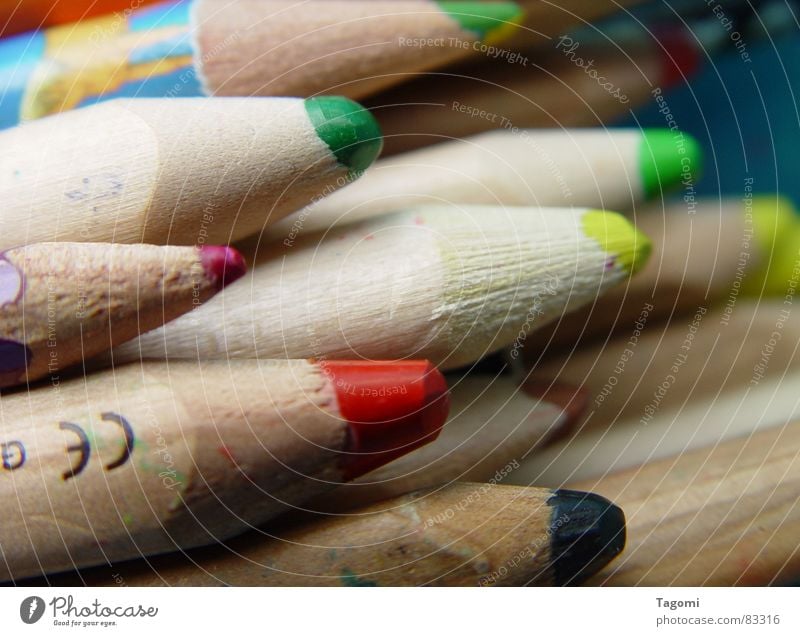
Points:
(668, 158)
(487, 20)
(626, 246)
(776, 230)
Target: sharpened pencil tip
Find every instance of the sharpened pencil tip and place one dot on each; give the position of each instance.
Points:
(492, 21)
(222, 264)
(776, 228)
(349, 130)
(391, 408)
(680, 57)
(667, 159)
(588, 532)
(626, 246)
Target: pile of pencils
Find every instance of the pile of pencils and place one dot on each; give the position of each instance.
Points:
(258, 333)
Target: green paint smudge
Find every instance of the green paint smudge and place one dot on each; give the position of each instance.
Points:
(351, 579)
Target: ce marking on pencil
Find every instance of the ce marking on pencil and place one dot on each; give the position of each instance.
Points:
(14, 455)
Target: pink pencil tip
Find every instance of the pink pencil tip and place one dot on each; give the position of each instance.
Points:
(223, 265)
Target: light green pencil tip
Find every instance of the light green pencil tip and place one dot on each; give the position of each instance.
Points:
(666, 159)
(776, 228)
(349, 130)
(619, 238)
(490, 21)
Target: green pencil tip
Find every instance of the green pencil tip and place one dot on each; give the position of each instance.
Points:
(491, 21)
(619, 238)
(349, 130)
(666, 159)
(776, 228)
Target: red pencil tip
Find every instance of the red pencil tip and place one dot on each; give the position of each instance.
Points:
(680, 56)
(391, 408)
(223, 265)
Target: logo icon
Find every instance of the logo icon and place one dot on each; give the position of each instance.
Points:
(31, 609)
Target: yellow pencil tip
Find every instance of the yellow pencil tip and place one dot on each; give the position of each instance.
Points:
(619, 238)
(776, 227)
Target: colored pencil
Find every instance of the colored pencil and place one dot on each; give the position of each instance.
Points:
(180, 171)
(704, 252)
(667, 388)
(444, 283)
(157, 458)
(18, 16)
(464, 534)
(551, 88)
(610, 169)
(63, 302)
(494, 425)
(242, 48)
(551, 19)
(737, 29)
(723, 515)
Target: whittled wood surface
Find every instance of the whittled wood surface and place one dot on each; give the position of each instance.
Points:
(400, 286)
(257, 47)
(724, 515)
(177, 171)
(587, 168)
(550, 91)
(151, 459)
(65, 302)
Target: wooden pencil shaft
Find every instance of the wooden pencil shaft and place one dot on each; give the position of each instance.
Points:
(697, 259)
(495, 423)
(633, 419)
(554, 19)
(591, 168)
(552, 90)
(239, 48)
(154, 458)
(172, 171)
(465, 534)
(307, 55)
(400, 286)
(437, 557)
(63, 302)
(722, 515)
